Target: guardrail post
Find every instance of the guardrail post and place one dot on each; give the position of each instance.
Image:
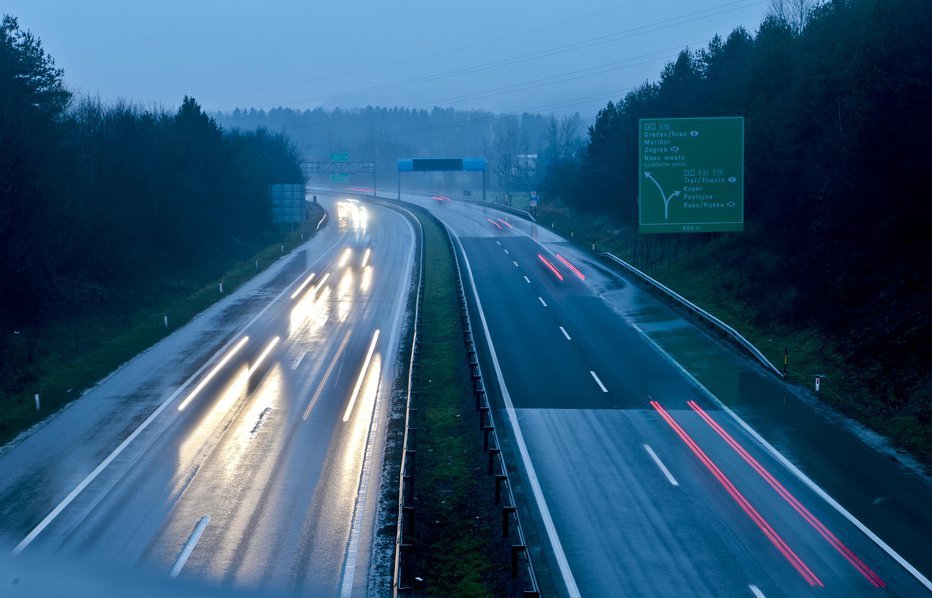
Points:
(482, 412)
(479, 394)
(409, 455)
(492, 454)
(515, 549)
(485, 443)
(409, 521)
(506, 513)
(498, 487)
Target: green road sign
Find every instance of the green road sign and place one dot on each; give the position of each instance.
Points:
(339, 177)
(691, 175)
(339, 157)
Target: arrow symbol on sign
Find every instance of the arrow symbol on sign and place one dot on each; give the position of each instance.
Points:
(666, 199)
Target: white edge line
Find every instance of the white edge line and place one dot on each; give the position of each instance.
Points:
(145, 424)
(542, 302)
(597, 381)
(756, 591)
(558, 552)
(298, 361)
(565, 333)
(663, 468)
(792, 468)
(189, 547)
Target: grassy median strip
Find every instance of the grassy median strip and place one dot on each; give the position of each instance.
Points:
(67, 357)
(457, 547)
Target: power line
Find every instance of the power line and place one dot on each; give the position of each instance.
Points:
(565, 48)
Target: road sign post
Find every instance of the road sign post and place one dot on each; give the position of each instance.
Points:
(691, 175)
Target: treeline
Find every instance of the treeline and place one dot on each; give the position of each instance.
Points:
(384, 135)
(838, 109)
(102, 205)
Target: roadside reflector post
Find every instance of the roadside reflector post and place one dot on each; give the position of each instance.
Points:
(818, 381)
(165, 319)
(257, 265)
(283, 248)
(515, 549)
(506, 513)
(221, 286)
(786, 355)
(37, 401)
(498, 487)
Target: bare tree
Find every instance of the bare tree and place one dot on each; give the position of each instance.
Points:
(795, 13)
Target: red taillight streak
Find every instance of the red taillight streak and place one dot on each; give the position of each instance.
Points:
(785, 494)
(505, 222)
(551, 266)
(751, 512)
(495, 223)
(571, 267)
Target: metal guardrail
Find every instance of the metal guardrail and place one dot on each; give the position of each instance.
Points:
(491, 442)
(722, 326)
(406, 470)
(503, 208)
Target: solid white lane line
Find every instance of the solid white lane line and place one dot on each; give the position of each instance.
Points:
(756, 591)
(515, 263)
(565, 333)
(597, 381)
(189, 547)
(542, 302)
(527, 280)
(298, 361)
(326, 377)
(571, 588)
(790, 467)
(145, 424)
(662, 467)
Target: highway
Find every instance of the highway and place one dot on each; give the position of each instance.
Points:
(640, 480)
(244, 449)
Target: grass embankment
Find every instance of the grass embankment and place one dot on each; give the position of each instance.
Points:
(458, 551)
(66, 357)
(702, 276)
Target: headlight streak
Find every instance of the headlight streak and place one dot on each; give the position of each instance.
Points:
(366, 279)
(303, 284)
(264, 354)
(304, 308)
(362, 376)
(365, 258)
(213, 373)
(347, 253)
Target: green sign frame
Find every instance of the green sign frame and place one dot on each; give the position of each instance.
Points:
(691, 175)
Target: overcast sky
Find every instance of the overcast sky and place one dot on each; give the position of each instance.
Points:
(500, 55)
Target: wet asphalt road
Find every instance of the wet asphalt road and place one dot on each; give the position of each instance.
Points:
(250, 437)
(639, 478)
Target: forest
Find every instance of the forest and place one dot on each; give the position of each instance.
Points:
(384, 135)
(837, 127)
(104, 207)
